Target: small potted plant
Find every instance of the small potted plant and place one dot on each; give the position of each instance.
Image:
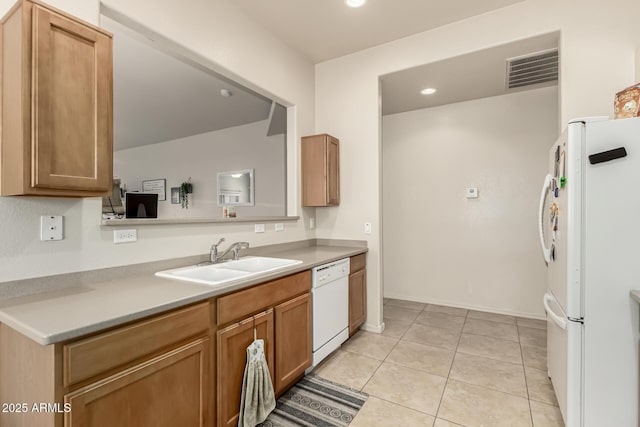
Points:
(186, 189)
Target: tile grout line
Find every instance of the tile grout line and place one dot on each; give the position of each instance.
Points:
(451, 366)
(455, 352)
(435, 416)
(382, 362)
(526, 382)
(385, 360)
(404, 406)
(489, 336)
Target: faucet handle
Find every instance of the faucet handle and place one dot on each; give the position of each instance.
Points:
(215, 245)
(236, 248)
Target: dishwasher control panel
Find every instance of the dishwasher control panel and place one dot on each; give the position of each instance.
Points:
(329, 272)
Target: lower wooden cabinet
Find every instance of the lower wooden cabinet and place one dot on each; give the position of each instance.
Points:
(153, 372)
(293, 341)
(232, 349)
(357, 293)
(284, 323)
(169, 390)
(94, 356)
(180, 368)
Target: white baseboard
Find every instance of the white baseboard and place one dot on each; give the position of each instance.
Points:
(378, 329)
(467, 306)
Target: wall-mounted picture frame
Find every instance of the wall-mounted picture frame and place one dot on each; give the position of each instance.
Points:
(156, 186)
(175, 195)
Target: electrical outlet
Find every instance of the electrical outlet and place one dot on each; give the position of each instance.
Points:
(125, 236)
(312, 223)
(279, 226)
(259, 228)
(367, 228)
(51, 227)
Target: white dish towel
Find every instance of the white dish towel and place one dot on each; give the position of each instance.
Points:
(258, 398)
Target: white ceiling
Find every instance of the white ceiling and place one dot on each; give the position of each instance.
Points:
(159, 98)
(475, 75)
(324, 29)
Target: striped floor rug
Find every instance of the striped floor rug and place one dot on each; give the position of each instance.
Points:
(314, 401)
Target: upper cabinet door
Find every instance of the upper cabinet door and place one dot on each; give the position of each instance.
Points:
(333, 171)
(72, 104)
(320, 170)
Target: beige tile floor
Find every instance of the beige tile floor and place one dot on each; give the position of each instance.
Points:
(444, 366)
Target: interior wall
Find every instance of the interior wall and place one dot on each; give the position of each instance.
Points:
(238, 48)
(597, 47)
(201, 158)
(439, 246)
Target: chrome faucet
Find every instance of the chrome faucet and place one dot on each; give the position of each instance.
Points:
(214, 250)
(235, 247)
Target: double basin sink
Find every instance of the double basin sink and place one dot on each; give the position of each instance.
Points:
(225, 272)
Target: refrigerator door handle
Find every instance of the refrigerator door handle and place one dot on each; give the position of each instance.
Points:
(548, 180)
(560, 321)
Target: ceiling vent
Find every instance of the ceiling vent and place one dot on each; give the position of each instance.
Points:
(532, 69)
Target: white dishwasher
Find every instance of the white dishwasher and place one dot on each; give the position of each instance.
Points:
(330, 292)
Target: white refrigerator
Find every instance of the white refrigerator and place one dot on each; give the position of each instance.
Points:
(590, 235)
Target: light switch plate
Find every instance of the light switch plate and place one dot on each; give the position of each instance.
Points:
(367, 228)
(51, 227)
(259, 228)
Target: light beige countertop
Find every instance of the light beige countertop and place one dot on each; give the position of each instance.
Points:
(635, 295)
(68, 306)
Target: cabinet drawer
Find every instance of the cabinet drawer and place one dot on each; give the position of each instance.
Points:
(98, 354)
(170, 389)
(244, 303)
(357, 262)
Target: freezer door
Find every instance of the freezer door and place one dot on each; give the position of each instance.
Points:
(564, 360)
(557, 350)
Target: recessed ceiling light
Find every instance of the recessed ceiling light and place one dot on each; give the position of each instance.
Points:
(428, 91)
(355, 3)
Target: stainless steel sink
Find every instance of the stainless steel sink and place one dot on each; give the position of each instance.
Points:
(222, 273)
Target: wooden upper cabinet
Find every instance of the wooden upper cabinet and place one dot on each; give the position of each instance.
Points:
(57, 104)
(320, 170)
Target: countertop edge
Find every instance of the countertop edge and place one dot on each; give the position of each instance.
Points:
(176, 221)
(206, 293)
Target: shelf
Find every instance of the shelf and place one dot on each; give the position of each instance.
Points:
(156, 221)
